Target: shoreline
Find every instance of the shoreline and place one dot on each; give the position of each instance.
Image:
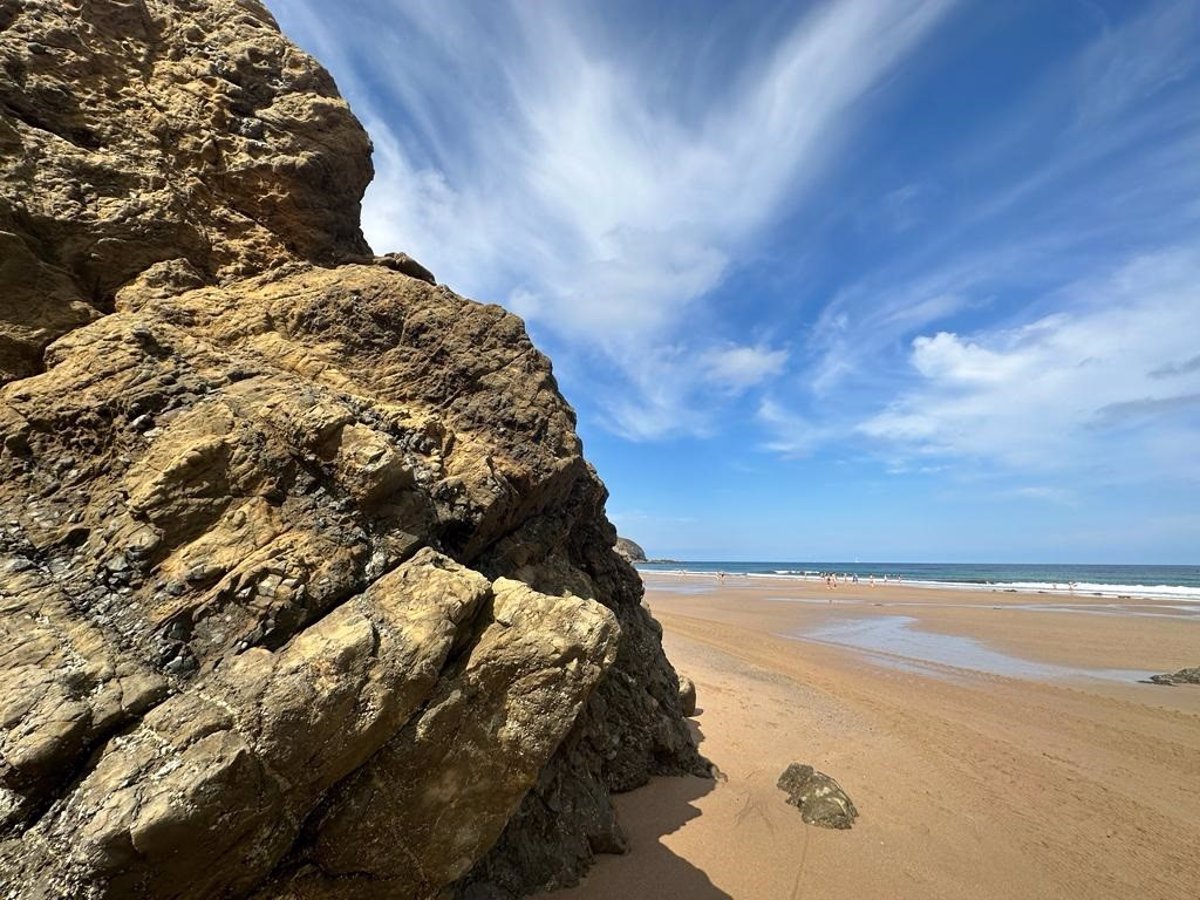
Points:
(1178, 593)
(969, 783)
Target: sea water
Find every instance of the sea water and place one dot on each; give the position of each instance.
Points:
(897, 642)
(1167, 582)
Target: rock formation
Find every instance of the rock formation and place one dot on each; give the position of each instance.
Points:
(628, 549)
(306, 588)
(819, 798)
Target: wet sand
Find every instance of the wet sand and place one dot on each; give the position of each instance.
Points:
(997, 745)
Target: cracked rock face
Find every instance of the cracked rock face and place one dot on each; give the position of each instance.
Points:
(306, 589)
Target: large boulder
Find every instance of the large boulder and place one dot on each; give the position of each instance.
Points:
(305, 585)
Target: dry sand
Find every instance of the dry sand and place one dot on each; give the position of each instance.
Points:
(1027, 768)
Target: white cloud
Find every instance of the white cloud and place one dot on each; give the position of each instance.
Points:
(676, 388)
(738, 368)
(945, 356)
(861, 322)
(1047, 493)
(1070, 391)
(793, 436)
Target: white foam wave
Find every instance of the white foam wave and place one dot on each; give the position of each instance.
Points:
(1165, 591)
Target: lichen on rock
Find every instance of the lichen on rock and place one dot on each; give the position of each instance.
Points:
(305, 584)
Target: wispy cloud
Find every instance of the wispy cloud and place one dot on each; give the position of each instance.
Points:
(735, 369)
(1045, 493)
(793, 436)
(1048, 322)
(1098, 161)
(561, 163)
(1068, 391)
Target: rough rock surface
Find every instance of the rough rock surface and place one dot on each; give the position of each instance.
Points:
(819, 798)
(306, 589)
(135, 133)
(1183, 676)
(628, 549)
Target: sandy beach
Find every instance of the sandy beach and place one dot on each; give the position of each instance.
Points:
(997, 745)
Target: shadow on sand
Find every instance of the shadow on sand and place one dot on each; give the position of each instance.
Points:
(650, 868)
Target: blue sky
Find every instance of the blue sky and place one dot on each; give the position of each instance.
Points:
(843, 280)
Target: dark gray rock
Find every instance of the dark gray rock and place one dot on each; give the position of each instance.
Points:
(819, 798)
(1183, 676)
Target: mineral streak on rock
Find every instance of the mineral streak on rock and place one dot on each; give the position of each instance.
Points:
(819, 798)
(306, 589)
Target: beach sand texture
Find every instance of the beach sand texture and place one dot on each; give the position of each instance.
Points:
(1006, 751)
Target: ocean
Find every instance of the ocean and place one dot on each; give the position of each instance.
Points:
(1167, 582)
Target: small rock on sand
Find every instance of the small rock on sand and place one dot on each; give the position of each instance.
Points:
(687, 696)
(820, 799)
(1183, 676)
